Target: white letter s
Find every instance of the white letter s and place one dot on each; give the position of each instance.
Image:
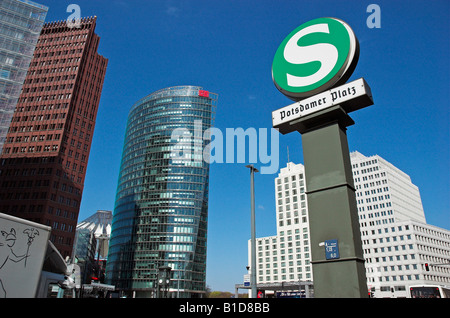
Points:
(325, 53)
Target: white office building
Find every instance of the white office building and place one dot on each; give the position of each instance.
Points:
(286, 257)
(397, 242)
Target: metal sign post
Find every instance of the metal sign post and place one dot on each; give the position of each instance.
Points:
(332, 207)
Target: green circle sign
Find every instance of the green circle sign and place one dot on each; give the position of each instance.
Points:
(316, 56)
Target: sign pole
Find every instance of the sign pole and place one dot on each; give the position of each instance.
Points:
(338, 267)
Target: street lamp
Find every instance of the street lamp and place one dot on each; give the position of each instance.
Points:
(253, 232)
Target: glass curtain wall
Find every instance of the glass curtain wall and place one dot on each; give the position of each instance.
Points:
(161, 210)
(21, 22)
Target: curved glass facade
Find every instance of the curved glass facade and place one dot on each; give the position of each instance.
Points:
(161, 209)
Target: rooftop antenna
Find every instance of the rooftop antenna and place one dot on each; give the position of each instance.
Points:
(288, 153)
(288, 166)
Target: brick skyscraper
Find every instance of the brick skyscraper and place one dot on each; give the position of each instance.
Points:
(45, 156)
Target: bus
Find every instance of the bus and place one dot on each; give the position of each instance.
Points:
(429, 291)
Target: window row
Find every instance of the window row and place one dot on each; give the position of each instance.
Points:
(284, 278)
(50, 38)
(45, 97)
(31, 149)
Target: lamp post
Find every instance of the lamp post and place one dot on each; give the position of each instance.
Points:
(253, 232)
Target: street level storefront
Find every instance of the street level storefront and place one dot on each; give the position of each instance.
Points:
(297, 289)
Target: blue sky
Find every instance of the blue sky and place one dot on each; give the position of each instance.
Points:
(227, 47)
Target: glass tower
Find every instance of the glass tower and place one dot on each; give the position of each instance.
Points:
(161, 209)
(21, 22)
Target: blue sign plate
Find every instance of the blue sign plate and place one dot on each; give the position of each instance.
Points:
(331, 249)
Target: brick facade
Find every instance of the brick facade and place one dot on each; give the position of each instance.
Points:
(45, 156)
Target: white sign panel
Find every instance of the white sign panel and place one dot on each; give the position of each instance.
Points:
(342, 95)
(246, 280)
(23, 245)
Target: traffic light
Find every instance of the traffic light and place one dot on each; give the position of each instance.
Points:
(427, 268)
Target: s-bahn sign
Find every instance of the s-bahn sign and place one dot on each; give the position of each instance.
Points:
(310, 64)
(351, 96)
(315, 57)
(311, 67)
